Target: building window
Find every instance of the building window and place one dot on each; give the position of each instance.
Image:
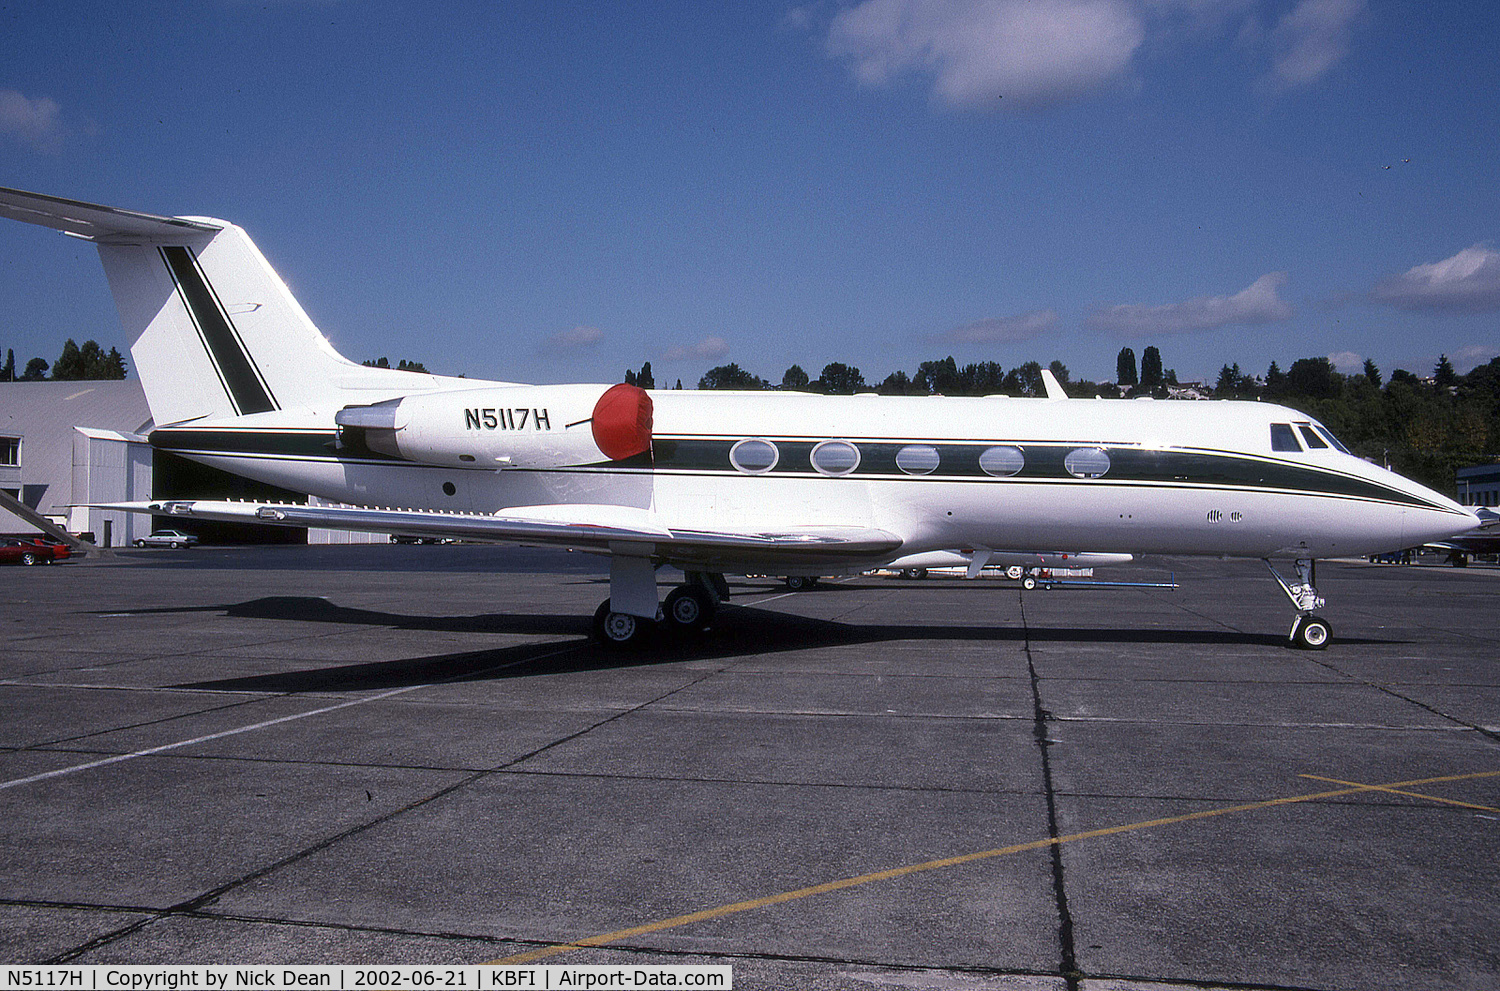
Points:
(10, 450)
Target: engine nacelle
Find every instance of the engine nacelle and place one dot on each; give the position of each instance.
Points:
(518, 426)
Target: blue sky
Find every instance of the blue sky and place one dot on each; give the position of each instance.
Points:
(559, 191)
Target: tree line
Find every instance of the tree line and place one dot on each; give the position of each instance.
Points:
(1423, 427)
(74, 364)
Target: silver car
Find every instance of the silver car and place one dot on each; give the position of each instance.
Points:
(167, 538)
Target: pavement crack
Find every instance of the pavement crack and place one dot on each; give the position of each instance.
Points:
(1067, 953)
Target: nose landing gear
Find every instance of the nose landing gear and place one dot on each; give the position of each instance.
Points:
(1309, 632)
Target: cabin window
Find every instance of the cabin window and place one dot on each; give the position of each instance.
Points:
(835, 457)
(1283, 439)
(754, 457)
(1328, 436)
(1002, 461)
(1086, 462)
(917, 459)
(1313, 440)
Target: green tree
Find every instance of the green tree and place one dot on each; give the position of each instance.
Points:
(1314, 378)
(730, 376)
(36, 370)
(1151, 374)
(69, 367)
(896, 384)
(1372, 373)
(795, 379)
(1125, 373)
(1025, 380)
(402, 366)
(1060, 372)
(8, 372)
(839, 379)
(937, 378)
(1443, 376)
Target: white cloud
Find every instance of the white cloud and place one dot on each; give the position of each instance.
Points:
(709, 347)
(570, 341)
(1258, 303)
(1347, 362)
(1312, 38)
(33, 122)
(1469, 282)
(1021, 327)
(1021, 51)
(1018, 53)
(1471, 356)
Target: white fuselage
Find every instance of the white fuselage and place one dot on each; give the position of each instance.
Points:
(993, 473)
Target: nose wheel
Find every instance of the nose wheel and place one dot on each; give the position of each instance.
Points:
(1309, 632)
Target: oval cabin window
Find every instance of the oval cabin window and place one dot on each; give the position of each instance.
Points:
(754, 457)
(917, 459)
(1086, 462)
(835, 457)
(1002, 461)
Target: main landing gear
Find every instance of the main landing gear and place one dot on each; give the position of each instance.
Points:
(688, 608)
(1309, 632)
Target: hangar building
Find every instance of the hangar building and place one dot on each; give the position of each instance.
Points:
(66, 445)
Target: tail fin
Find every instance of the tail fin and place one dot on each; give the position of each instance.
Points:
(215, 331)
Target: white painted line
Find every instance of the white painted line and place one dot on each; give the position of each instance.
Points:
(118, 758)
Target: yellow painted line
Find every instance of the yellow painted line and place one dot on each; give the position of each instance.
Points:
(967, 858)
(1408, 794)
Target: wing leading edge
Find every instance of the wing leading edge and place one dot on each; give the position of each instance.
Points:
(604, 529)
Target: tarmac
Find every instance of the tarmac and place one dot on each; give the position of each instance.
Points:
(399, 755)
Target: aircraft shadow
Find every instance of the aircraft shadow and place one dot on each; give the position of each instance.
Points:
(737, 632)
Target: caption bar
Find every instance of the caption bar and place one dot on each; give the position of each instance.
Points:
(107, 977)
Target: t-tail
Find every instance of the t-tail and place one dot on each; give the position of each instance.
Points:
(215, 332)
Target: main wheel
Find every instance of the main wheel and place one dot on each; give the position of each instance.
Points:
(619, 629)
(28, 558)
(798, 583)
(140, 543)
(1312, 632)
(1029, 582)
(689, 607)
(175, 544)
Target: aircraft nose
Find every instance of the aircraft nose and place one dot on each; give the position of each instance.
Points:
(1423, 527)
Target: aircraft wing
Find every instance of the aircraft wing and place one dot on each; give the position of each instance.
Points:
(604, 529)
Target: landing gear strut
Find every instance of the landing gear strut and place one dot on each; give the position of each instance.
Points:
(688, 608)
(1309, 632)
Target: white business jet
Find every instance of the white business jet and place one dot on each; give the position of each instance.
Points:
(238, 377)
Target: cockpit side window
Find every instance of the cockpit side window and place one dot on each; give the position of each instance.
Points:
(1283, 439)
(1313, 440)
(1328, 436)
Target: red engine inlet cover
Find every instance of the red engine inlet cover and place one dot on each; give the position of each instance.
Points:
(622, 422)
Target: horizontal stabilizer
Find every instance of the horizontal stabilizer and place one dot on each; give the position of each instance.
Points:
(92, 222)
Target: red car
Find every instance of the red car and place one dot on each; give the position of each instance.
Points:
(13, 551)
(60, 551)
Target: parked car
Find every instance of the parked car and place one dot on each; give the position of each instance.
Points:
(167, 538)
(14, 551)
(60, 551)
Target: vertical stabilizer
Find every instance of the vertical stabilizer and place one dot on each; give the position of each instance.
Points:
(214, 330)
